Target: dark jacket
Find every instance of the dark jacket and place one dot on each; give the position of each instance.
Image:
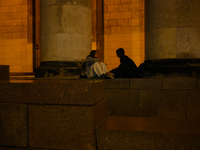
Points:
(129, 63)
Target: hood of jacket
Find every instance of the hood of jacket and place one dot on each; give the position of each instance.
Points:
(90, 60)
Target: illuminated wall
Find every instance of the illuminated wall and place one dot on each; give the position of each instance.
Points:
(16, 35)
(123, 27)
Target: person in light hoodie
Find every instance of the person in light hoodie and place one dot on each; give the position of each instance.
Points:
(95, 68)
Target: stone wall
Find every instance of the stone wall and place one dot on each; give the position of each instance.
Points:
(164, 98)
(51, 114)
(16, 35)
(63, 114)
(123, 27)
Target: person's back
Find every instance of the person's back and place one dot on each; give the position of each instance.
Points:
(130, 63)
(127, 67)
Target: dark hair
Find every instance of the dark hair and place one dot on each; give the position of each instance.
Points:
(120, 51)
(92, 53)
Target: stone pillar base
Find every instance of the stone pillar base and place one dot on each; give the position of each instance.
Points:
(163, 68)
(58, 69)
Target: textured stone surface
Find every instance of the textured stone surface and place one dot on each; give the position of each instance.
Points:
(188, 42)
(32, 93)
(72, 92)
(193, 105)
(100, 111)
(172, 29)
(65, 127)
(117, 84)
(10, 148)
(198, 84)
(165, 14)
(124, 102)
(162, 103)
(13, 125)
(59, 70)
(188, 12)
(145, 84)
(184, 83)
(157, 48)
(147, 133)
(4, 75)
(84, 92)
(64, 39)
(61, 114)
(61, 127)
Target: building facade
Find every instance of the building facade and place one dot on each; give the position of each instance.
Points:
(115, 24)
(35, 31)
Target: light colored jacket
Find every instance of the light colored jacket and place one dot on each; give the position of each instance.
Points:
(89, 62)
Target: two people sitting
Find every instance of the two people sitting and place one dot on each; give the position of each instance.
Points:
(96, 68)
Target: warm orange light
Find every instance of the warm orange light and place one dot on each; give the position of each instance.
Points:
(123, 27)
(15, 47)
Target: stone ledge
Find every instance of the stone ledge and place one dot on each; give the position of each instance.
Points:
(68, 92)
(153, 84)
(170, 68)
(117, 84)
(145, 84)
(184, 83)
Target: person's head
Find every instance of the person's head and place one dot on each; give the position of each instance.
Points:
(120, 52)
(93, 53)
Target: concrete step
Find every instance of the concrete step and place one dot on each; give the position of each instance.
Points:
(130, 133)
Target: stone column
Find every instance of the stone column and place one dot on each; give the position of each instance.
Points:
(66, 30)
(172, 30)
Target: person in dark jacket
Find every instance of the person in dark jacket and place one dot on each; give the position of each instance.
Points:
(127, 67)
